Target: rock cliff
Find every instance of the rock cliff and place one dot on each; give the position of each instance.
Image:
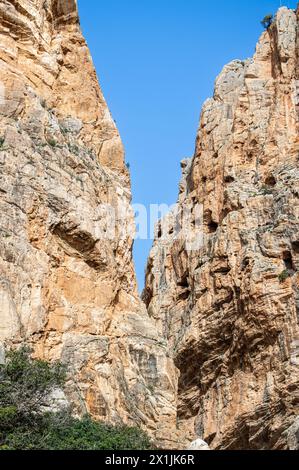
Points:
(229, 307)
(67, 282)
(216, 356)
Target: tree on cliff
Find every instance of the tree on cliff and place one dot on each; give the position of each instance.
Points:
(267, 21)
(25, 387)
(25, 384)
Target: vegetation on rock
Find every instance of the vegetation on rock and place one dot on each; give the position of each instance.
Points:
(283, 276)
(267, 21)
(26, 419)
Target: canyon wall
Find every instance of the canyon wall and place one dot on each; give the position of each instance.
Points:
(216, 356)
(229, 307)
(67, 289)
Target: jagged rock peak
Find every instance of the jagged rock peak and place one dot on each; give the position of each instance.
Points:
(67, 281)
(229, 307)
(42, 45)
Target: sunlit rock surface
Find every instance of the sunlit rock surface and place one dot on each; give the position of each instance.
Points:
(64, 289)
(229, 310)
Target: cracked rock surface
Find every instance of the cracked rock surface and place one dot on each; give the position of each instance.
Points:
(229, 309)
(65, 289)
(210, 359)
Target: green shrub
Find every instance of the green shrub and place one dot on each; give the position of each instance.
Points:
(52, 142)
(283, 276)
(60, 431)
(87, 434)
(267, 21)
(25, 384)
(74, 149)
(266, 190)
(2, 141)
(8, 417)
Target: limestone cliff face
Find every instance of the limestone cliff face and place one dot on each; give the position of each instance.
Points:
(224, 314)
(65, 288)
(229, 309)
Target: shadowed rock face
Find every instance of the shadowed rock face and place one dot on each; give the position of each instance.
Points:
(63, 288)
(230, 310)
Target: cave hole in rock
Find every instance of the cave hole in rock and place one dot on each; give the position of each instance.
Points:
(295, 247)
(288, 260)
(212, 226)
(229, 179)
(270, 181)
(184, 281)
(210, 223)
(159, 231)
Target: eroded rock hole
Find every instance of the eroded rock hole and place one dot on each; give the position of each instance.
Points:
(212, 225)
(270, 181)
(229, 179)
(184, 282)
(295, 247)
(288, 260)
(159, 232)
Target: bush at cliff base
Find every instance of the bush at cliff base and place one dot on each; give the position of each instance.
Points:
(25, 385)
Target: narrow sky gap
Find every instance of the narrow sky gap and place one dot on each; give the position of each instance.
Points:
(157, 62)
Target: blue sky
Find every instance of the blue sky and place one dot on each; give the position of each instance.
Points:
(157, 61)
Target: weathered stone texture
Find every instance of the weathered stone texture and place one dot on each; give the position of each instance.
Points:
(225, 316)
(230, 310)
(65, 289)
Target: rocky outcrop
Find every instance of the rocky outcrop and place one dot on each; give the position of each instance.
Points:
(215, 360)
(199, 444)
(228, 305)
(67, 282)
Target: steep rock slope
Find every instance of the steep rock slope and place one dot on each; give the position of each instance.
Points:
(66, 287)
(229, 308)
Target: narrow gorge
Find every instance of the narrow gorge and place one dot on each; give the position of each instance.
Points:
(211, 350)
